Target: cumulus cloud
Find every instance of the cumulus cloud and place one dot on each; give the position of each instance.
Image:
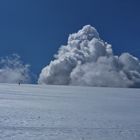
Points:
(89, 61)
(12, 70)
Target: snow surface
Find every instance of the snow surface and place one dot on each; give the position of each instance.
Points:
(34, 112)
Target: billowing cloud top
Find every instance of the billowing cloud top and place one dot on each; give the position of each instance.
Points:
(12, 70)
(89, 61)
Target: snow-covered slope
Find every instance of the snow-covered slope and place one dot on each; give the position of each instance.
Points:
(30, 112)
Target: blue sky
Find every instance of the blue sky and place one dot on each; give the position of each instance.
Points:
(35, 29)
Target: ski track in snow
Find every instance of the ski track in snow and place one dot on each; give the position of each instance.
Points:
(34, 112)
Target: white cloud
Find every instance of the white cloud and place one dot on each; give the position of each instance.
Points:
(12, 70)
(89, 61)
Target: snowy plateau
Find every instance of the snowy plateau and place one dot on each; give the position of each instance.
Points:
(35, 112)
